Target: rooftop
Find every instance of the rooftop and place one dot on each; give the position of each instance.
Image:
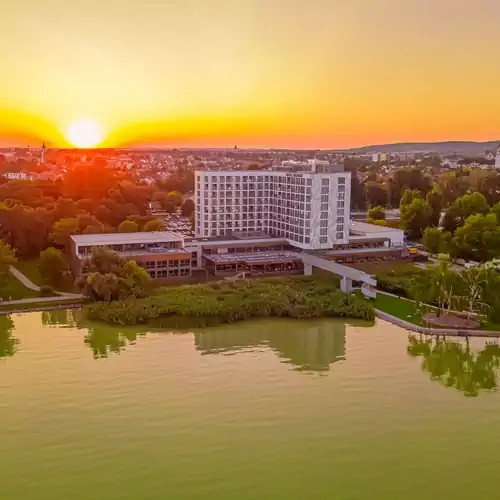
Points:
(124, 238)
(365, 228)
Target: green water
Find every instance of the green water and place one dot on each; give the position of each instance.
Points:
(258, 410)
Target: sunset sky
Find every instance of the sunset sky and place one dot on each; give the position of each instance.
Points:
(257, 73)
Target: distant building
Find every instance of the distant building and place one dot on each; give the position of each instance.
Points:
(18, 176)
(375, 157)
(489, 155)
(497, 159)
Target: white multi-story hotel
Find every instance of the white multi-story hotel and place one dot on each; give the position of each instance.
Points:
(306, 203)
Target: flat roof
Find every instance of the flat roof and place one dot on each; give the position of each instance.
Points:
(364, 227)
(124, 238)
(249, 258)
(228, 240)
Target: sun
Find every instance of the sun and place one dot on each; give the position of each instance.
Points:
(85, 134)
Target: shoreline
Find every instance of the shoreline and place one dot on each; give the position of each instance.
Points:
(450, 332)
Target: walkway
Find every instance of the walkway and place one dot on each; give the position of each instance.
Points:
(29, 284)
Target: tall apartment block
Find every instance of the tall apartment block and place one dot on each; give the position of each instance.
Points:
(305, 202)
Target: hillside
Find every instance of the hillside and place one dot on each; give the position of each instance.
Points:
(447, 147)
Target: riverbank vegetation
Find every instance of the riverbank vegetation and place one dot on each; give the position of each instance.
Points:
(225, 302)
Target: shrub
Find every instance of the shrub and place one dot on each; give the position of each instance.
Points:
(225, 302)
(46, 290)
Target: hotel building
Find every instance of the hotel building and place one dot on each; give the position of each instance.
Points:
(305, 202)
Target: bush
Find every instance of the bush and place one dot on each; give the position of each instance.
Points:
(46, 290)
(443, 256)
(225, 302)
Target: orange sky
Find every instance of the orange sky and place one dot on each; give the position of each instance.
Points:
(257, 73)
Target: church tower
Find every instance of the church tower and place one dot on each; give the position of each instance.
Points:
(42, 153)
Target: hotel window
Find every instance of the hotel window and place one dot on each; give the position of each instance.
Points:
(323, 240)
(341, 180)
(324, 215)
(323, 231)
(341, 189)
(340, 220)
(325, 182)
(341, 196)
(340, 236)
(324, 206)
(340, 204)
(340, 227)
(323, 223)
(324, 190)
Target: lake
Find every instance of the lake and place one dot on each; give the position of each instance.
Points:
(256, 410)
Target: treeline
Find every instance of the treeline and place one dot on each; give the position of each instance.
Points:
(386, 190)
(90, 199)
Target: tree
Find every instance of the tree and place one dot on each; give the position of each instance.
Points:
(415, 217)
(376, 213)
(432, 240)
(376, 194)
(112, 277)
(495, 209)
(408, 196)
(128, 226)
(7, 259)
(435, 200)
(52, 266)
(479, 238)
(187, 208)
(175, 198)
(62, 230)
(153, 225)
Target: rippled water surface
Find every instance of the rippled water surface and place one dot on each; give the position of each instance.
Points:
(255, 410)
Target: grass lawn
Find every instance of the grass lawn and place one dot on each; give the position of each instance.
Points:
(13, 289)
(401, 308)
(385, 267)
(29, 267)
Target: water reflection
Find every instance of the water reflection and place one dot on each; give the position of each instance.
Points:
(455, 364)
(307, 348)
(8, 343)
(59, 317)
(105, 339)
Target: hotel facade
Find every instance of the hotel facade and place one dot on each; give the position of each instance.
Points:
(306, 203)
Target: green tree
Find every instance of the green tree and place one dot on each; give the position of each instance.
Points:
(376, 194)
(432, 240)
(435, 200)
(112, 277)
(187, 208)
(63, 229)
(52, 265)
(479, 238)
(7, 259)
(415, 217)
(175, 198)
(495, 209)
(376, 213)
(153, 225)
(128, 226)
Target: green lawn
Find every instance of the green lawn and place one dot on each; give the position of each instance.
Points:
(385, 267)
(13, 289)
(401, 308)
(29, 267)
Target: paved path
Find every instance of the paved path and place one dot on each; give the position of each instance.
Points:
(34, 300)
(29, 284)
